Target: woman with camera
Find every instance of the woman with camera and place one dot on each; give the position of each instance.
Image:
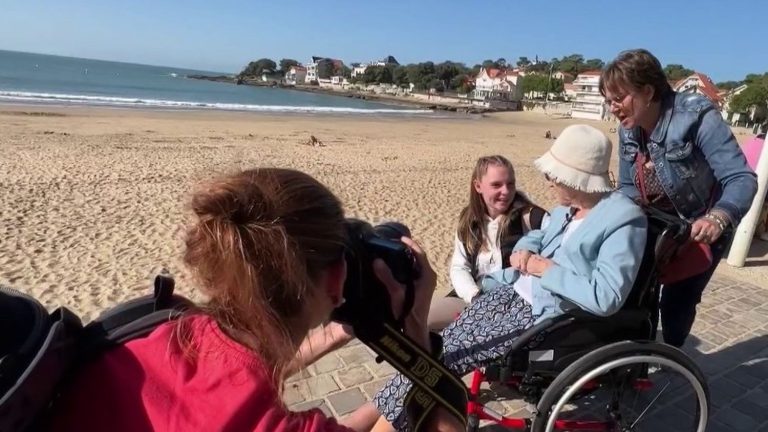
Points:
(676, 154)
(267, 248)
(495, 218)
(587, 257)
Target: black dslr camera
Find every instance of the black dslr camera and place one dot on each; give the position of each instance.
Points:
(367, 300)
(368, 310)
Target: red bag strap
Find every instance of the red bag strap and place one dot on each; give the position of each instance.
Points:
(639, 165)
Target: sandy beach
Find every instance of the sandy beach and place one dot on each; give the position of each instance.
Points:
(93, 200)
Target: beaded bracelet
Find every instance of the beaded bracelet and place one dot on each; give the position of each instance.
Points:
(719, 220)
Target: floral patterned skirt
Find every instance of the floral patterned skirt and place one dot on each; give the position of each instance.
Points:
(481, 334)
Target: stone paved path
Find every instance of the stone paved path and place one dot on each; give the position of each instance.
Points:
(729, 342)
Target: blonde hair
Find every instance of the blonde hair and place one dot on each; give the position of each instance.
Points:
(472, 217)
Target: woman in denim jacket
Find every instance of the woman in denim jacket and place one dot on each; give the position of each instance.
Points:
(691, 166)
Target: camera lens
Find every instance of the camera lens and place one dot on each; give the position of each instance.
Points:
(392, 230)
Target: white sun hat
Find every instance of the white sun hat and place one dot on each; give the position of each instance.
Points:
(579, 158)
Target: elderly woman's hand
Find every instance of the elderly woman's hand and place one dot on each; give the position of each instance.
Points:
(519, 260)
(537, 265)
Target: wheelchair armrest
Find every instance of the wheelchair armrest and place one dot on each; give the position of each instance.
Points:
(547, 325)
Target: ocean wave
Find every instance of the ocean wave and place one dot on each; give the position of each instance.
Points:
(14, 96)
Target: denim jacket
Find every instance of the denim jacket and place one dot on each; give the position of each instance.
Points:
(594, 270)
(697, 159)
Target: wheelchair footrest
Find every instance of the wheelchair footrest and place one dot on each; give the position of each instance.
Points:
(492, 373)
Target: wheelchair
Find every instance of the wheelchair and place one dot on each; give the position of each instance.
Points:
(564, 365)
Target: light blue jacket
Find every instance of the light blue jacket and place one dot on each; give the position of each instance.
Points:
(595, 270)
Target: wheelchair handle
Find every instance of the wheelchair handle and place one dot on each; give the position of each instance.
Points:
(679, 228)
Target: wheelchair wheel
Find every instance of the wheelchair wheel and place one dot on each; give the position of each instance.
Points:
(626, 386)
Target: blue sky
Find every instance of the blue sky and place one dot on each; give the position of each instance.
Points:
(723, 39)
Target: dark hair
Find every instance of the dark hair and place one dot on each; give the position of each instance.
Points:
(472, 217)
(259, 240)
(635, 68)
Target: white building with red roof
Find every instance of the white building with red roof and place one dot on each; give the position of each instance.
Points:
(699, 83)
(588, 103)
(569, 91)
(497, 84)
(313, 66)
(296, 75)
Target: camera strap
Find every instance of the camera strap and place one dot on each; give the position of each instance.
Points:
(433, 384)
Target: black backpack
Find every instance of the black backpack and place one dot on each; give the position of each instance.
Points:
(40, 352)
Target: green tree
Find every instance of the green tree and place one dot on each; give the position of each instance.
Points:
(753, 78)
(437, 85)
(339, 68)
(370, 75)
(383, 75)
(447, 71)
(676, 72)
(377, 75)
(556, 86)
(540, 83)
(258, 67)
(754, 94)
(465, 88)
(286, 64)
(400, 76)
(325, 69)
(488, 64)
(532, 83)
(592, 64)
(461, 83)
(523, 62)
(540, 67)
(572, 64)
(421, 75)
(728, 85)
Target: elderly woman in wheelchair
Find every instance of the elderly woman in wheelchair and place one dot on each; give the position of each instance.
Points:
(556, 326)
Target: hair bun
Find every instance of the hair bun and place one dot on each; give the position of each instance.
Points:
(238, 200)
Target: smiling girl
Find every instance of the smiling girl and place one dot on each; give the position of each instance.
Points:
(495, 218)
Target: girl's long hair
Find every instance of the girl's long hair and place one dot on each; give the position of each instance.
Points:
(472, 230)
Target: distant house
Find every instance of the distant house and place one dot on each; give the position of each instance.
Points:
(313, 67)
(361, 68)
(570, 90)
(727, 98)
(296, 75)
(563, 76)
(497, 84)
(699, 83)
(588, 103)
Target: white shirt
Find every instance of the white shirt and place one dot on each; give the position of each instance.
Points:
(488, 261)
(524, 284)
